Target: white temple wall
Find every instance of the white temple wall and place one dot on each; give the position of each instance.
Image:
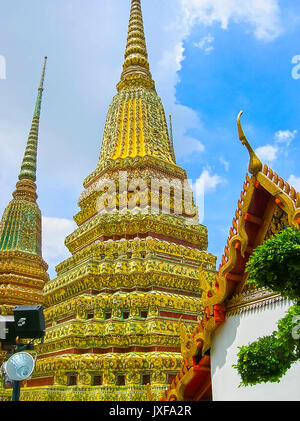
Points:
(242, 329)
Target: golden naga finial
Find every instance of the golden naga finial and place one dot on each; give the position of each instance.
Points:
(255, 165)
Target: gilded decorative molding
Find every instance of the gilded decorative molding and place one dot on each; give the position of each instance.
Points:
(153, 164)
(138, 248)
(251, 298)
(108, 225)
(84, 367)
(228, 294)
(286, 197)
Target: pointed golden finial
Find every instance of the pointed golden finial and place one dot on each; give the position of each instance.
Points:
(255, 165)
(136, 50)
(136, 65)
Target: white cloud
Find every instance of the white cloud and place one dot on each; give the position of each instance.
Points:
(184, 144)
(225, 163)
(294, 182)
(260, 16)
(55, 230)
(191, 145)
(183, 118)
(267, 153)
(205, 44)
(283, 139)
(170, 64)
(2, 67)
(208, 181)
(285, 136)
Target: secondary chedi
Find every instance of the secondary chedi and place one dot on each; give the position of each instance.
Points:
(23, 272)
(114, 309)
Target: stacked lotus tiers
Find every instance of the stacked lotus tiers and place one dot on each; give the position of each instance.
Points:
(114, 309)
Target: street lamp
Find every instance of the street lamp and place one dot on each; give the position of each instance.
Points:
(28, 322)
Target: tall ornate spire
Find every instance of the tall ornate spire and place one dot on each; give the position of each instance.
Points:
(135, 266)
(28, 168)
(136, 127)
(136, 65)
(20, 227)
(23, 272)
(26, 187)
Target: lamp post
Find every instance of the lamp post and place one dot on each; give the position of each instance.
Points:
(17, 383)
(28, 322)
(16, 391)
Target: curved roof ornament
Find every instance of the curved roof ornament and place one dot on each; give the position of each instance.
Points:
(255, 165)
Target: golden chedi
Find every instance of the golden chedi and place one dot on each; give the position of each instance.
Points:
(23, 272)
(114, 309)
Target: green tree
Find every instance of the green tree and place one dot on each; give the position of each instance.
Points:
(274, 265)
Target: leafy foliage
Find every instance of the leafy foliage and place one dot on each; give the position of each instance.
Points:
(269, 358)
(274, 265)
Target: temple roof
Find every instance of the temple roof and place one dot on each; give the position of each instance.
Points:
(267, 205)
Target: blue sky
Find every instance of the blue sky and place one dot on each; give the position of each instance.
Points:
(210, 59)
